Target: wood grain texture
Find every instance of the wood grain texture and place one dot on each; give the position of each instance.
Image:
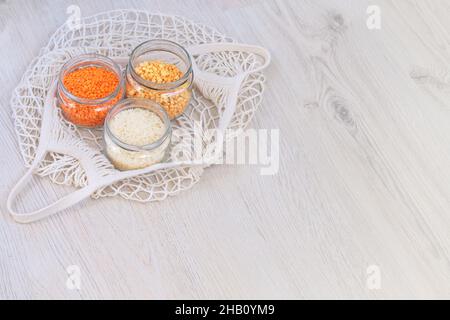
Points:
(364, 175)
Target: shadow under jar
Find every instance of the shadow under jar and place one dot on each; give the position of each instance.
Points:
(96, 85)
(137, 134)
(161, 71)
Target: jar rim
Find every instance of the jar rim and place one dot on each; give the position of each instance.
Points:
(188, 74)
(131, 103)
(93, 58)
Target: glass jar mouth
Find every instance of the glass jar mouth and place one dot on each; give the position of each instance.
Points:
(90, 60)
(131, 103)
(161, 45)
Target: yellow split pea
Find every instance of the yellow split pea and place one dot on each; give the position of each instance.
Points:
(161, 72)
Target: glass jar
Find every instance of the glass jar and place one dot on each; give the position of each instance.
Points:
(86, 112)
(126, 156)
(173, 96)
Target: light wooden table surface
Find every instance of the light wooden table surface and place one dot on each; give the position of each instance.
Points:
(363, 187)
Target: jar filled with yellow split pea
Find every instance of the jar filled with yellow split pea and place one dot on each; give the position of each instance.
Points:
(161, 71)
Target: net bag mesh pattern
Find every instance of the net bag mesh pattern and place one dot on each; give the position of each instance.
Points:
(115, 34)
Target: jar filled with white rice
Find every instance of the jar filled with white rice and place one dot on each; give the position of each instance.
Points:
(137, 134)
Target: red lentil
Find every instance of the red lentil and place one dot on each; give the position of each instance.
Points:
(89, 83)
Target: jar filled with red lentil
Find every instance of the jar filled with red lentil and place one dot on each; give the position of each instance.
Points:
(161, 71)
(89, 86)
